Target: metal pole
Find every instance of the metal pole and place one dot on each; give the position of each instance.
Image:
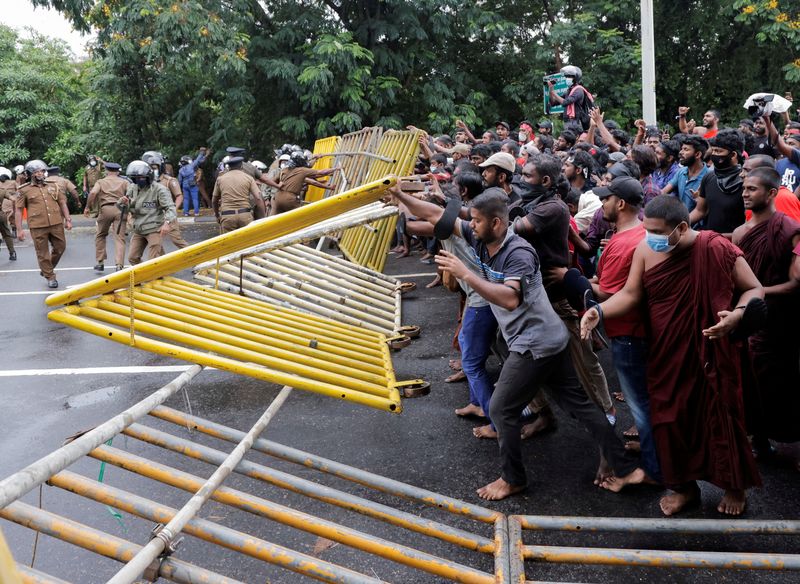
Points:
(334, 468)
(314, 490)
(33, 576)
(661, 559)
(165, 537)
(367, 154)
(639, 525)
(648, 63)
(232, 539)
(16, 485)
(104, 544)
(261, 507)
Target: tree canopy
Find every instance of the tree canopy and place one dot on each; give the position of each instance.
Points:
(176, 74)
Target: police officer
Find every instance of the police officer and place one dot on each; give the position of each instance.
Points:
(66, 185)
(8, 189)
(107, 193)
(160, 175)
(233, 193)
(91, 174)
(152, 209)
(47, 215)
(250, 168)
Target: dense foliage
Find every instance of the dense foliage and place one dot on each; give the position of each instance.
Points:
(178, 74)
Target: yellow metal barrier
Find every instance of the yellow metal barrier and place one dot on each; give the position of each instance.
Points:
(218, 329)
(322, 146)
(368, 247)
(253, 234)
(356, 163)
(311, 281)
(8, 570)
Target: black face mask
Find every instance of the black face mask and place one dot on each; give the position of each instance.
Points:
(722, 162)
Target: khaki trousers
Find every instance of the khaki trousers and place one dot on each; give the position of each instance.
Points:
(176, 237)
(229, 223)
(139, 242)
(585, 360)
(283, 202)
(108, 219)
(50, 244)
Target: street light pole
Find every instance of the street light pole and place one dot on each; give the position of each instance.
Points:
(648, 64)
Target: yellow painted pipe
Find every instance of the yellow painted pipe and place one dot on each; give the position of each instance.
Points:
(230, 335)
(278, 326)
(71, 317)
(221, 344)
(310, 323)
(253, 234)
(297, 519)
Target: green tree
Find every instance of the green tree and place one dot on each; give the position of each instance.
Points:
(42, 86)
(778, 22)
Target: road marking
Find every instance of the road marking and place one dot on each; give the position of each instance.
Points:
(38, 269)
(96, 370)
(24, 293)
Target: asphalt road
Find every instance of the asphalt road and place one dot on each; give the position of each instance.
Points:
(426, 445)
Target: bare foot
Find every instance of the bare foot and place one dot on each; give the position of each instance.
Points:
(484, 432)
(471, 410)
(454, 364)
(404, 254)
(498, 490)
(437, 281)
(457, 376)
(633, 446)
(733, 502)
(674, 502)
(631, 433)
(604, 472)
(618, 395)
(616, 484)
(542, 424)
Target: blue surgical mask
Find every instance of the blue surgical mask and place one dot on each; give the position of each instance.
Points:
(660, 243)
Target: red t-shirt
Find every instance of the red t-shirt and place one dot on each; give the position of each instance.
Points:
(785, 202)
(612, 272)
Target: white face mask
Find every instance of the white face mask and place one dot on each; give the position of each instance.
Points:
(434, 168)
(523, 137)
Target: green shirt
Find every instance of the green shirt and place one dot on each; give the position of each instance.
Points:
(150, 207)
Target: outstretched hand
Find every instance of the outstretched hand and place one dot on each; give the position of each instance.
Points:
(728, 321)
(589, 321)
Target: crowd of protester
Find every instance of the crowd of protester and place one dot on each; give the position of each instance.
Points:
(678, 253)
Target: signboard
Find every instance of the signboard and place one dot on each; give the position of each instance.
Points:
(560, 87)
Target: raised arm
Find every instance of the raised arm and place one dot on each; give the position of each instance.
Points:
(421, 209)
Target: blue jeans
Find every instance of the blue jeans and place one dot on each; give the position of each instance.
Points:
(190, 195)
(630, 361)
(478, 330)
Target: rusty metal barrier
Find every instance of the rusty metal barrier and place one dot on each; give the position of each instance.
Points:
(150, 558)
(489, 535)
(368, 247)
(537, 554)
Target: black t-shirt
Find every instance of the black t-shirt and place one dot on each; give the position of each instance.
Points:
(725, 210)
(760, 145)
(550, 221)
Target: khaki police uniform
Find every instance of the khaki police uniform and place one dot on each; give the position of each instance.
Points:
(232, 193)
(66, 186)
(93, 174)
(46, 206)
(8, 191)
(171, 184)
(293, 184)
(107, 191)
(150, 208)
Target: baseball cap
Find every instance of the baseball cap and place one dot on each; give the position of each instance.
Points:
(502, 160)
(626, 188)
(461, 149)
(545, 124)
(502, 123)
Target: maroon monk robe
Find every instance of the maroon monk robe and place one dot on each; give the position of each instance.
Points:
(695, 383)
(774, 407)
